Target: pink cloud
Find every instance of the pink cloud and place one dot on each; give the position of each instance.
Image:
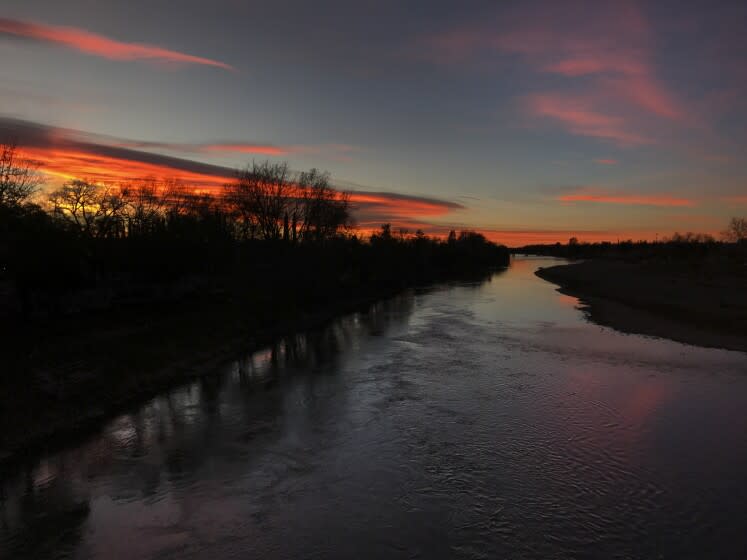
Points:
(246, 149)
(98, 45)
(606, 56)
(646, 93)
(339, 152)
(576, 67)
(603, 196)
(580, 118)
(606, 161)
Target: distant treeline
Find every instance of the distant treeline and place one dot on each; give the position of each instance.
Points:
(687, 246)
(271, 237)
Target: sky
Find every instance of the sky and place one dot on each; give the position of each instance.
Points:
(530, 121)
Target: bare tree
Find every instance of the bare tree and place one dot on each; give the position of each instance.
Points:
(96, 211)
(110, 222)
(269, 202)
(177, 199)
(736, 231)
(263, 194)
(241, 200)
(19, 177)
(324, 210)
(144, 207)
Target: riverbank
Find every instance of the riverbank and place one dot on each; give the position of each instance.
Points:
(92, 325)
(702, 304)
(68, 378)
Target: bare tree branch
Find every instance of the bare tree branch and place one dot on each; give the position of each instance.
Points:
(19, 177)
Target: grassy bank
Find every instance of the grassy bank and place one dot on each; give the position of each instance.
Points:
(701, 303)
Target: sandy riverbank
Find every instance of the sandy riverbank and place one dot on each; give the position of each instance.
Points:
(700, 305)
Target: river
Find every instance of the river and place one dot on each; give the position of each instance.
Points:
(469, 420)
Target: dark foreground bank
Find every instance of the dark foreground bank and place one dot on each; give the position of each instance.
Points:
(67, 374)
(701, 304)
(70, 377)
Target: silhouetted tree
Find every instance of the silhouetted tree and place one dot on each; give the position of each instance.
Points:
(149, 240)
(736, 231)
(263, 194)
(241, 198)
(19, 177)
(93, 210)
(690, 237)
(324, 210)
(144, 207)
(386, 232)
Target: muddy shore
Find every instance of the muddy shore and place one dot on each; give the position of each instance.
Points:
(701, 305)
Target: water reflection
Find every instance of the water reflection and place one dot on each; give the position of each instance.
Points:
(169, 441)
(466, 420)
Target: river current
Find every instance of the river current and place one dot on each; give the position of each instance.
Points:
(468, 420)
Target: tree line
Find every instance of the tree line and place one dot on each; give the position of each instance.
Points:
(731, 246)
(286, 235)
(266, 201)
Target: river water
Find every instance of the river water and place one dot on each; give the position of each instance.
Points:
(473, 420)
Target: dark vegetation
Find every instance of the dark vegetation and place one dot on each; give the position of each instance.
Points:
(285, 235)
(100, 285)
(692, 247)
(689, 287)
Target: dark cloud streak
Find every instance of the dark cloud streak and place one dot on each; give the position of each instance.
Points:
(54, 143)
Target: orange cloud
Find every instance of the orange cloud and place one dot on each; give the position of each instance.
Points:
(397, 206)
(607, 161)
(69, 154)
(591, 194)
(334, 151)
(40, 136)
(371, 209)
(68, 163)
(98, 45)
